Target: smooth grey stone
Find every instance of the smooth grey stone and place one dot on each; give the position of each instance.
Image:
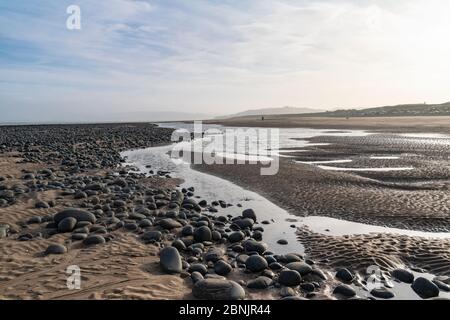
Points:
(202, 233)
(196, 276)
(198, 267)
(245, 223)
(170, 260)
(344, 290)
(251, 245)
(344, 275)
(169, 224)
(213, 254)
(222, 268)
(79, 215)
(383, 293)
(425, 288)
(93, 240)
(441, 285)
(249, 213)
(153, 235)
(55, 249)
(34, 220)
(179, 245)
(403, 275)
(218, 289)
(300, 267)
(78, 236)
(256, 263)
(289, 278)
(259, 283)
(67, 224)
(236, 236)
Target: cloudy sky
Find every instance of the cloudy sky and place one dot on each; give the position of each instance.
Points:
(219, 56)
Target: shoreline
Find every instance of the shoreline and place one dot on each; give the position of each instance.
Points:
(380, 124)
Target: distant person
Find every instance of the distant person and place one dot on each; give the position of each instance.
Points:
(262, 118)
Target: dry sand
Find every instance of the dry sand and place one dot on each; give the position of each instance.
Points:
(122, 269)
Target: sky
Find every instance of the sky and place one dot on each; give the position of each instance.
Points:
(219, 57)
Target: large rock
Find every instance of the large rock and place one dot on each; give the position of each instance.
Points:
(256, 263)
(425, 288)
(289, 278)
(170, 260)
(218, 289)
(67, 224)
(79, 215)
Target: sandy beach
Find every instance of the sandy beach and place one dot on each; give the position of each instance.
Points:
(69, 198)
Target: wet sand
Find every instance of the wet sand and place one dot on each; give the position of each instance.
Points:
(417, 199)
(392, 124)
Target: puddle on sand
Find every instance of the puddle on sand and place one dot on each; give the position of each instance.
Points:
(337, 227)
(365, 169)
(212, 188)
(325, 161)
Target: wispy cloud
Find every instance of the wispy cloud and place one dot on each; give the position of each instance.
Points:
(221, 56)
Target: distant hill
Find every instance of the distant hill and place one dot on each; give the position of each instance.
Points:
(403, 110)
(269, 111)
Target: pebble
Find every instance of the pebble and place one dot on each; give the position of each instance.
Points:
(218, 289)
(259, 283)
(169, 224)
(344, 290)
(67, 224)
(289, 278)
(300, 267)
(251, 245)
(403, 275)
(79, 215)
(425, 288)
(55, 249)
(249, 213)
(382, 293)
(202, 234)
(256, 263)
(222, 268)
(236, 236)
(344, 275)
(93, 240)
(213, 254)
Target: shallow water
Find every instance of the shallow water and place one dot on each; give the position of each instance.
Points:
(211, 188)
(365, 169)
